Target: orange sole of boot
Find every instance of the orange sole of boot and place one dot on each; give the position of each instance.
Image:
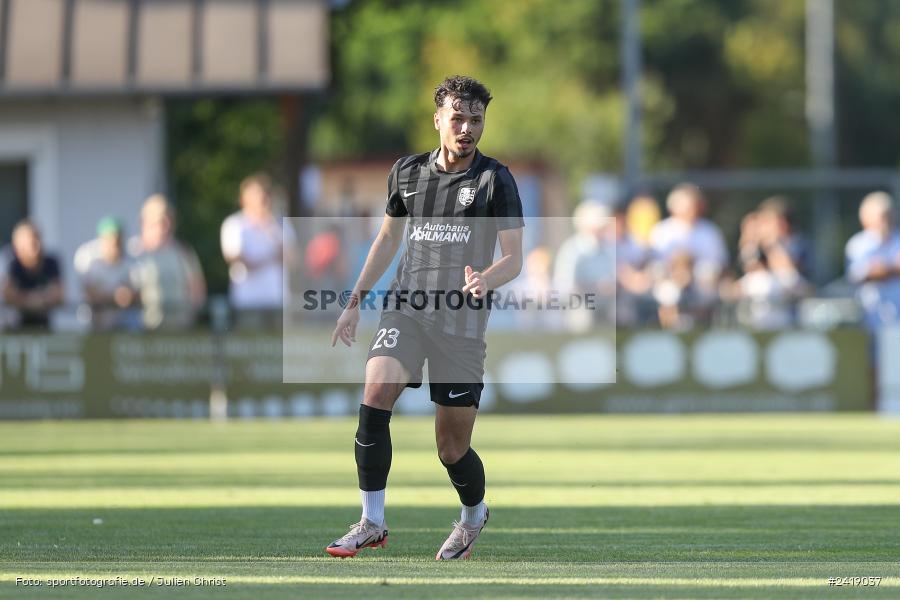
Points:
(341, 553)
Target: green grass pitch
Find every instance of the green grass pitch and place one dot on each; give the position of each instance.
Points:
(738, 506)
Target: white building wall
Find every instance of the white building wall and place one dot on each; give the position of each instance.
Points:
(88, 158)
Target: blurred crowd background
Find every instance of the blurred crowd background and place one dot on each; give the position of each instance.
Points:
(669, 267)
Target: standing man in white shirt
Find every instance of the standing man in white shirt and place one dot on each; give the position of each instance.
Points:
(253, 244)
(685, 232)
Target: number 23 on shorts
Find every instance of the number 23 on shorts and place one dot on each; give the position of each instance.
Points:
(386, 338)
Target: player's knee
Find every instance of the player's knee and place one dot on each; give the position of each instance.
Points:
(380, 395)
(451, 450)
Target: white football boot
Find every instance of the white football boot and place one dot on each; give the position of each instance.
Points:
(462, 538)
(364, 534)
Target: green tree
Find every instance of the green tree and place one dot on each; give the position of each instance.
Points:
(868, 83)
(212, 146)
(734, 74)
(552, 67)
(722, 84)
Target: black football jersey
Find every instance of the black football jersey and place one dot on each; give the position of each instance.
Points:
(453, 222)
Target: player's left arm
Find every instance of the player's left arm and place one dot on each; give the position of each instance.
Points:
(505, 206)
(503, 270)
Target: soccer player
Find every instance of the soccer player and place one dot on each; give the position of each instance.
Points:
(458, 203)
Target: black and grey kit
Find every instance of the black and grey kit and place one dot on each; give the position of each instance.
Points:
(453, 220)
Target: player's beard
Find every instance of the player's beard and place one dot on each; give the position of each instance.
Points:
(463, 153)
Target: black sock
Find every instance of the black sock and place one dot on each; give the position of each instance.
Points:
(467, 476)
(373, 448)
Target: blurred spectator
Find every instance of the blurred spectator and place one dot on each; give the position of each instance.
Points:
(361, 233)
(873, 261)
(771, 230)
(255, 247)
(326, 259)
(105, 271)
(166, 273)
(632, 257)
(681, 304)
(586, 262)
(533, 285)
(7, 316)
(770, 258)
(629, 250)
(33, 283)
(641, 217)
(685, 232)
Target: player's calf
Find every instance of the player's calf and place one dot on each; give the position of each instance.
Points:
(467, 476)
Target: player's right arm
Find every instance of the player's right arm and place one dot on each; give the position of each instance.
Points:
(379, 259)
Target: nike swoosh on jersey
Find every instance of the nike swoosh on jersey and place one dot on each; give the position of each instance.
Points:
(363, 445)
(408, 194)
(452, 395)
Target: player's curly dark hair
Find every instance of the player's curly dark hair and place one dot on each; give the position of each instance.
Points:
(460, 87)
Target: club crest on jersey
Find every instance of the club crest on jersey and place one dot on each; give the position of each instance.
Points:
(466, 195)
